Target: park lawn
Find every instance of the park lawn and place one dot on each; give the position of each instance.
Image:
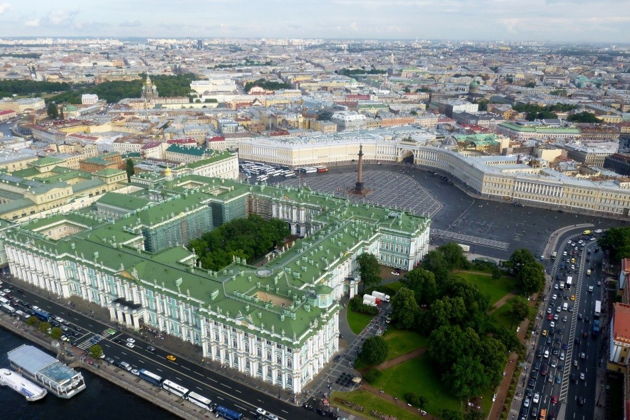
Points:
(395, 285)
(493, 289)
(371, 402)
(402, 341)
(417, 375)
(358, 321)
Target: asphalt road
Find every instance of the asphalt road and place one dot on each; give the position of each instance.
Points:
(570, 339)
(210, 384)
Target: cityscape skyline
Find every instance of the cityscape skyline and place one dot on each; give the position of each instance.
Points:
(508, 20)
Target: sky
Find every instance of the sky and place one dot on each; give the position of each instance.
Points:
(509, 20)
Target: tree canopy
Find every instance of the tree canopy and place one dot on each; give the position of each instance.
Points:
(374, 351)
(617, 242)
(535, 111)
(249, 238)
(529, 273)
(267, 85)
(369, 270)
(404, 308)
(584, 117)
(96, 351)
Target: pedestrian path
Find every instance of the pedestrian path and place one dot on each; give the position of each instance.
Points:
(95, 339)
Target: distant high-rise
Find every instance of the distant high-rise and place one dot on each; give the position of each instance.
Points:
(200, 44)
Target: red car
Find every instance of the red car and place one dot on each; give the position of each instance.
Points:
(554, 399)
(549, 317)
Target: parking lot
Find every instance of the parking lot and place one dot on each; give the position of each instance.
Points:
(491, 228)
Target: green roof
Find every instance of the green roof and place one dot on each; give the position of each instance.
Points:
(239, 291)
(216, 156)
(107, 172)
(194, 151)
(46, 161)
(543, 129)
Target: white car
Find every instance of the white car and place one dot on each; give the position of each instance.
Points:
(130, 340)
(552, 324)
(130, 345)
(546, 354)
(394, 273)
(536, 398)
(554, 296)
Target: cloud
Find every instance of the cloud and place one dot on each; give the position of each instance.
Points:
(61, 16)
(32, 23)
(4, 7)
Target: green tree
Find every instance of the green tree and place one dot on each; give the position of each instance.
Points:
(96, 351)
(130, 169)
(369, 270)
(447, 414)
(447, 311)
(52, 110)
(584, 117)
(372, 375)
(435, 262)
(56, 333)
(374, 351)
(33, 321)
(404, 308)
(519, 309)
(453, 255)
(529, 274)
(617, 242)
(423, 284)
(44, 327)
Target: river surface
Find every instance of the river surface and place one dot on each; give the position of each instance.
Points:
(100, 400)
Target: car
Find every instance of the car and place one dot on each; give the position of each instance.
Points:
(536, 398)
(590, 289)
(556, 317)
(581, 401)
(393, 273)
(555, 286)
(559, 309)
(565, 346)
(549, 317)
(261, 411)
(526, 403)
(130, 340)
(580, 316)
(549, 310)
(538, 353)
(555, 352)
(572, 297)
(135, 372)
(171, 357)
(558, 378)
(150, 349)
(544, 333)
(599, 283)
(582, 376)
(554, 399)
(110, 360)
(546, 354)
(575, 363)
(582, 355)
(564, 318)
(553, 363)
(130, 345)
(552, 324)
(554, 296)
(531, 383)
(125, 366)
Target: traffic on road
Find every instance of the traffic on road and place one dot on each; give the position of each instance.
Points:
(562, 374)
(224, 397)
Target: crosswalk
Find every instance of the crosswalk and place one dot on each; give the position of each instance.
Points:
(89, 342)
(469, 239)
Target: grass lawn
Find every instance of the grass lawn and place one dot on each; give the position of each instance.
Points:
(401, 342)
(395, 285)
(493, 289)
(358, 321)
(417, 375)
(371, 402)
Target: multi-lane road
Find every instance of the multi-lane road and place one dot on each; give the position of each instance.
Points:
(562, 375)
(219, 388)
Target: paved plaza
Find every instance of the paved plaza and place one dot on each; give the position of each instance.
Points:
(490, 228)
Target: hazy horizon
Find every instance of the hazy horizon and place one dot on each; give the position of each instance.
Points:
(571, 21)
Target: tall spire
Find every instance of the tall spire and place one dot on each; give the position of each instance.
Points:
(358, 188)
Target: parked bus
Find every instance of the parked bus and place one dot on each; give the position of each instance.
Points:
(598, 308)
(150, 377)
(199, 400)
(174, 388)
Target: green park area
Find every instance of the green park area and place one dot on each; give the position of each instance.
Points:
(489, 286)
(453, 325)
(367, 405)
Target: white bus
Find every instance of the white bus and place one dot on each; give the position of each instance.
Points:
(174, 388)
(598, 308)
(199, 400)
(150, 377)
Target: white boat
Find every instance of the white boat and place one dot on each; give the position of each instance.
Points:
(20, 384)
